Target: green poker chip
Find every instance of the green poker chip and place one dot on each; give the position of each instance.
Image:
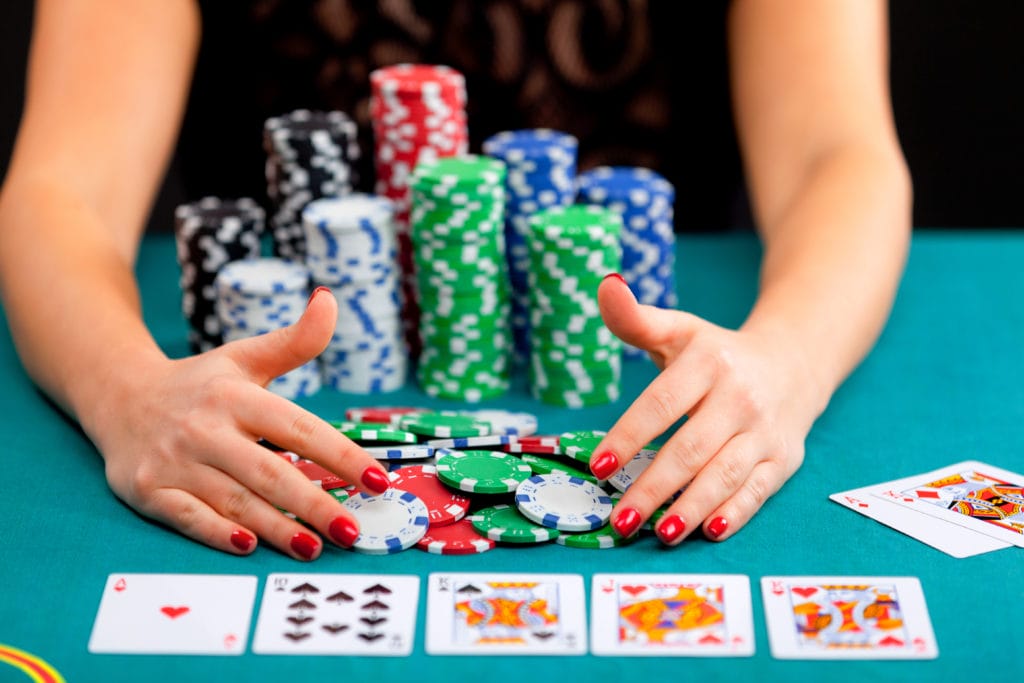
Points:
(444, 426)
(605, 537)
(580, 445)
(541, 465)
(481, 471)
(504, 523)
(367, 435)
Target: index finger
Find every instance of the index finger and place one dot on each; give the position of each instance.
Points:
(672, 394)
(293, 428)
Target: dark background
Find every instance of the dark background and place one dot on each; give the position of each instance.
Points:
(958, 94)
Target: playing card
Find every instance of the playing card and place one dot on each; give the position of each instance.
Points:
(174, 614)
(671, 615)
(337, 614)
(971, 494)
(847, 617)
(949, 538)
(508, 614)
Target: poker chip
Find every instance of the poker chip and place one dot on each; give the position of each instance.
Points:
(340, 494)
(519, 448)
(443, 426)
(319, 475)
(481, 471)
(579, 445)
(381, 414)
(406, 452)
(389, 523)
(208, 234)
(605, 537)
(504, 523)
(565, 503)
(541, 465)
(372, 435)
(443, 505)
(309, 155)
(460, 538)
(629, 472)
(574, 359)
(517, 424)
(473, 441)
(644, 199)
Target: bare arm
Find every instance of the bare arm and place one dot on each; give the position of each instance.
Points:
(832, 200)
(108, 81)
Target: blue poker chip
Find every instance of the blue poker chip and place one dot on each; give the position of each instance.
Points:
(473, 441)
(408, 452)
(632, 470)
(562, 502)
(389, 523)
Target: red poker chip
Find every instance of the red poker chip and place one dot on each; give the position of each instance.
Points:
(444, 506)
(459, 538)
(314, 472)
(516, 447)
(380, 414)
(538, 440)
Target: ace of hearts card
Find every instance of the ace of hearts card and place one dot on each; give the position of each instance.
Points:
(671, 615)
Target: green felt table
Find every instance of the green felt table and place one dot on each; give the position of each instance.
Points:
(945, 382)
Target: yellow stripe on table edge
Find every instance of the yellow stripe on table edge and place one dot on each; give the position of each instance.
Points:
(34, 667)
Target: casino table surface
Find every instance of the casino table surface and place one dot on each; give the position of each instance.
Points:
(944, 383)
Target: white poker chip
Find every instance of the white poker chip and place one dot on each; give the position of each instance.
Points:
(506, 421)
(389, 523)
(561, 502)
(629, 472)
(473, 441)
(401, 452)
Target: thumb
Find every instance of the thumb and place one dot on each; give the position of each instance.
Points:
(658, 331)
(273, 354)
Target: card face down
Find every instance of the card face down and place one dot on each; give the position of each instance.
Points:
(507, 614)
(671, 615)
(337, 614)
(847, 617)
(977, 496)
(195, 614)
(951, 539)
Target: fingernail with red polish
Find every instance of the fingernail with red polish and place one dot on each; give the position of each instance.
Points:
(604, 465)
(627, 522)
(242, 540)
(375, 480)
(315, 292)
(304, 545)
(616, 276)
(671, 528)
(344, 531)
(717, 526)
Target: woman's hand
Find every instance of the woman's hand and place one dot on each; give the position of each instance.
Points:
(750, 400)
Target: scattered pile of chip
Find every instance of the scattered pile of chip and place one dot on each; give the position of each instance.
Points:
(257, 296)
(310, 154)
(351, 248)
(208, 234)
(474, 483)
(541, 173)
(575, 360)
(644, 199)
(418, 112)
(458, 235)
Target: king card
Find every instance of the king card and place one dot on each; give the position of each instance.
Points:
(671, 615)
(843, 617)
(508, 614)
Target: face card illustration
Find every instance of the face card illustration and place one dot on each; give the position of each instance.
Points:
(971, 494)
(337, 614)
(671, 615)
(951, 539)
(836, 617)
(510, 614)
(197, 614)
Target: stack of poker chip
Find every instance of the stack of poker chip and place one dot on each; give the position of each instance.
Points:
(418, 112)
(575, 360)
(351, 248)
(644, 199)
(257, 296)
(541, 173)
(210, 233)
(310, 154)
(458, 235)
